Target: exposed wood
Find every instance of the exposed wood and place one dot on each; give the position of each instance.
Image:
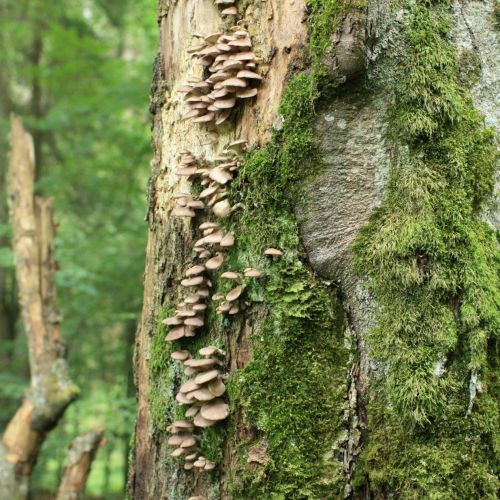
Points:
(81, 453)
(51, 389)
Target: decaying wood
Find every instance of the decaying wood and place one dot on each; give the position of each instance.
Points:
(51, 389)
(81, 453)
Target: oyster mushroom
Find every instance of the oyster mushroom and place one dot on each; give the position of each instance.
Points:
(274, 252)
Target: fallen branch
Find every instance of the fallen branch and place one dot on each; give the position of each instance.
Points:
(81, 453)
(51, 389)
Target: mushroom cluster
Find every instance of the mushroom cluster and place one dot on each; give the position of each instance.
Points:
(204, 388)
(231, 75)
(202, 391)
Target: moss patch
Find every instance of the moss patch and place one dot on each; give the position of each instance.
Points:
(161, 376)
(293, 391)
(433, 268)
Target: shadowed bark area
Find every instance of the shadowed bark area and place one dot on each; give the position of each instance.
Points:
(81, 453)
(51, 389)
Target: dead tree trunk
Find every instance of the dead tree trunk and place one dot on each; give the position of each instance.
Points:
(51, 389)
(81, 454)
(362, 354)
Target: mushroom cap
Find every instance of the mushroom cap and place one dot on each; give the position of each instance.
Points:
(182, 399)
(216, 387)
(191, 412)
(195, 322)
(209, 117)
(199, 307)
(235, 293)
(215, 262)
(227, 103)
(175, 440)
(273, 252)
(224, 307)
(202, 394)
(209, 191)
(186, 171)
(183, 212)
(231, 275)
(234, 82)
(193, 271)
(220, 175)
(188, 442)
(205, 377)
(235, 309)
(189, 386)
(212, 38)
(176, 333)
(230, 11)
(195, 281)
(199, 363)
(209, 466)
(209, 225)
(192, 299)
(217, 410)
(180, 355)
(196, 204)
(182, 424)
(222, 209)
(250, 272)
(246, 93)
(209, 350)
(188, 466)
(192, 456)
(223, 116)
(173, 321)
(237, 144)
(177, 452)
(199, 421)
(245, 73)
(244, 56)
(227, 241)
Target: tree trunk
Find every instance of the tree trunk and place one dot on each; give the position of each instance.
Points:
(81, 454)
(362, 363)
(51, 388)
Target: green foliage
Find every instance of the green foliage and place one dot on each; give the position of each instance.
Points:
(433, 268)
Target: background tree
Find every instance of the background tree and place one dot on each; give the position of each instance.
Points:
(78, 73)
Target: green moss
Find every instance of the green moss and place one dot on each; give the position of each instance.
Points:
(162, 373)
(293, 390)
(433, 269)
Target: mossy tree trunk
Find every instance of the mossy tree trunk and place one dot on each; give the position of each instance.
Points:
(364, 364)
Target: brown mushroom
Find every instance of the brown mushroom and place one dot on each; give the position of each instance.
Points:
(274, 252)
(227, 241)
(216, 410)
(235, 293)
(180, 355)
(205, 377)
(250, 272)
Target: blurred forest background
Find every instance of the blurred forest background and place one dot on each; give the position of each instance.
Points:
(78, 73)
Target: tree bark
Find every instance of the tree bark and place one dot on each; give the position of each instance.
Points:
(51, 389)
(81, 454)
(360, 50)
